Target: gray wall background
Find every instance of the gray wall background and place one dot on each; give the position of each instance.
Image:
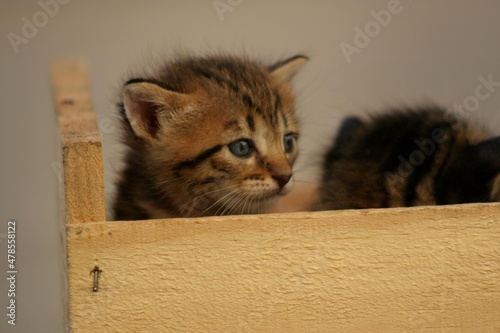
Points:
(429, 51)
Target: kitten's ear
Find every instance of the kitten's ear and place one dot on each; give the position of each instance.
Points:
(146, 104)
(285, 70)
(348, 130)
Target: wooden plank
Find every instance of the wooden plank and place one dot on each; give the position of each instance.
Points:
(80, 140)
(424, 269)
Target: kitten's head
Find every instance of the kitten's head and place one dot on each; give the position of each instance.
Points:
(217, 135)
(476, 175)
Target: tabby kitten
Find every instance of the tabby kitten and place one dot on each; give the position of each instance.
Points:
(206, 136)
(411, 157)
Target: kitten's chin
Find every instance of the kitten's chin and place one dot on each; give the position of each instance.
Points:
(285, 190)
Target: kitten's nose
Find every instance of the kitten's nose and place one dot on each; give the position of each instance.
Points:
(282, 179)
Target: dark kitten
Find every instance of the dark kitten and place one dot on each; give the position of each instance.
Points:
(207, 136)
(407, 158)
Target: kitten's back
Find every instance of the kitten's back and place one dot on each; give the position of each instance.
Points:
(410, 157)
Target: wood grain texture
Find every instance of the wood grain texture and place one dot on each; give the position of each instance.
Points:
(424, 269)
(80, 140)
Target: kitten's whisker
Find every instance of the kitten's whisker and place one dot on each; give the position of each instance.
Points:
(234, 194)
(228, 209)
(246, 203)
(192, 201)
(305, 181)
(234, 205)
(219, 200)
(250, 203)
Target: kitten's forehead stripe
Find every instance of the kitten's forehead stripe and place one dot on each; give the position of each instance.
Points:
(205, 72)
(251, 123)
(218, 78)
(285, 119)
(248, 81)
(277, 101)
(232, 124)
(248, 101)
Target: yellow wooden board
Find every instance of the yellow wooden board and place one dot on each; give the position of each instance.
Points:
(80, 140)
(430, 269)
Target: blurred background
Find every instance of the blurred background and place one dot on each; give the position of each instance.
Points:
(364, 56)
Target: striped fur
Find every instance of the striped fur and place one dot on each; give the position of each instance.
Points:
(179, 123)
(412, 157)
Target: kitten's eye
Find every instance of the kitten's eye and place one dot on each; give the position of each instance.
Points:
(241, 148)
(289, 142)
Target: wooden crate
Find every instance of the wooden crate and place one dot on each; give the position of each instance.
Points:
(424, 269)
